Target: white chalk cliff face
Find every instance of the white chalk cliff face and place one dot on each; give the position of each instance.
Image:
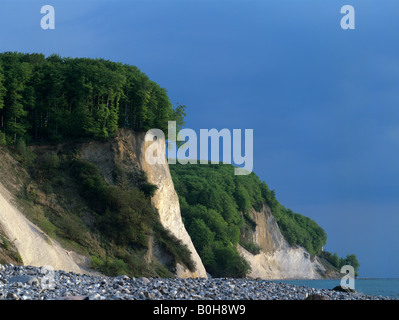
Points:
(128, 149)
(277, 260)
(34, 247)
(167, 202)
(165, 199)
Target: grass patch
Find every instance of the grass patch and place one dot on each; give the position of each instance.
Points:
(251, 247)
(5, 244)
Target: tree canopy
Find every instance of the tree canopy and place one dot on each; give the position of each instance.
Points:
(54, 98)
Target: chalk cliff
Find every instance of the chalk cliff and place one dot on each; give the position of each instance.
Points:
(277, 259)
(127, 150)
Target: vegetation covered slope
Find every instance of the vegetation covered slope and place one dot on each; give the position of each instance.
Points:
(215, 206)
(112, 222)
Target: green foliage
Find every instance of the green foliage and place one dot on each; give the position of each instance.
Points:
(114, 224)
(351, 260)
(21, 147)
(338, 262)
(333, 259)
(174, 246)
(149, 189)
(3, 140)
(211, 210)
(296, 228)
(96, 262)
(2, 88)
(52, 161)
(26, 155)
(112, 267)
(162, 271)
(243, 199)
(251, 247)
(58, 98)
(178, 115)
(5, 243)
(72, 228)
(92, 184)
(125, 216)
(229, 263)
(38, 216)
(216, 207)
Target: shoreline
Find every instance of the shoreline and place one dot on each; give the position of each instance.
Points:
(34, 283)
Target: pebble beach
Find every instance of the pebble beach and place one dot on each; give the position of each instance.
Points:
(33, 283)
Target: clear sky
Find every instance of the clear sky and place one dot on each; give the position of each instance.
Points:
(323, 102)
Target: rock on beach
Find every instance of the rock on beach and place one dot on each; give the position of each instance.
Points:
(29, 283)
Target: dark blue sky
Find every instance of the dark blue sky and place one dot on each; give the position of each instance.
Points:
(323, 102)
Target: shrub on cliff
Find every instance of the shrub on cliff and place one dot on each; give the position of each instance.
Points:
(3, 141)
(125, 216)
(25, 154)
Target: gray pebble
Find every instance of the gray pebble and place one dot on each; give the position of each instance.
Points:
(23, 283)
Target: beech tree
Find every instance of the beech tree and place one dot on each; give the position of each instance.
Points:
(16, 75)
(2, 94)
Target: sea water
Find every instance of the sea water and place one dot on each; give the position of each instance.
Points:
(372, 287)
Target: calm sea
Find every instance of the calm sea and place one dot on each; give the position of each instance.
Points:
(374, 287)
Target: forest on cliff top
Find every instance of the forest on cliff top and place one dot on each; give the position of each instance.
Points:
(53, 98)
